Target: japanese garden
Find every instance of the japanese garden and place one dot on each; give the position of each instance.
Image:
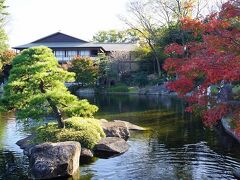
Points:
(157, 99)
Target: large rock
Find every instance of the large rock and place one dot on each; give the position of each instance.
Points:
(116, 129)
(131, 126)
(226, 122)
(26, 142)
(86, 153)
(86, 156)
(103, 120)
(111, 146)
(52, 160)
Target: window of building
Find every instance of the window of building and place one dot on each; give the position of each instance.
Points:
(60, 53)
(71, 53)
(84, 53)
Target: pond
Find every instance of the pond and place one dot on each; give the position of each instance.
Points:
(178, 146)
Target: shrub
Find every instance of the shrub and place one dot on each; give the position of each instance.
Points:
(79, 123)
(85, 69)
(87, 131)
(133, 89)
(118, 88)
(141, 79)
(127, 78)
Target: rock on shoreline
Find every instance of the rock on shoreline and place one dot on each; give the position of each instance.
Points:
(111, 146)
(53, 160)
(131, 126)
(226, 124)
(116, 129)
(119, 128)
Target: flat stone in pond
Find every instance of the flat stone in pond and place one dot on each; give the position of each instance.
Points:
(53, 160)
(116, 129)
(86, 153)
(111, 146)
(26, 142)
(103, 120)
(86, 156)
(131, 126)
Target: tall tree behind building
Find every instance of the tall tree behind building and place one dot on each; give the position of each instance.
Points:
(3, 35)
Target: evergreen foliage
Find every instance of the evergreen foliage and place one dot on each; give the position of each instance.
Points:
(85, 69)
(3, 35)
(87, 131)
(105, 71)
(36, 88)
(114, 36)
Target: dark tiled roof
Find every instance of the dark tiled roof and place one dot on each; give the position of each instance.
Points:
(60, 40)
(59, 37)
(105, 46)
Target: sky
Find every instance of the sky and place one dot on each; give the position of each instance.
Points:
(33, 19)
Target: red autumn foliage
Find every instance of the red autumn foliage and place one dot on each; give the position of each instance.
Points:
(174, 48)
(212, 115)
(211, 61)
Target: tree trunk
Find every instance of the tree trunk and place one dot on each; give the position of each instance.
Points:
(156, 58)
(56, 111)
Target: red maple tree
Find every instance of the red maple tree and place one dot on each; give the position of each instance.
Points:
(212, 60)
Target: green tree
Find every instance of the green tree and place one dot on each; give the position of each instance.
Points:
(36, 88)
(3, 40)
(106, 72)
(3, 35)
(3, 12)
(114, 36)
(85, 69)
(6, 55)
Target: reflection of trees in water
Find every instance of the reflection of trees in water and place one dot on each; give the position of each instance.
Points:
(176, 147)
(2, 128)
(3, 119)
(12, 164)
(116, 103)
(190, 161)
(12, 167)
(191, 151)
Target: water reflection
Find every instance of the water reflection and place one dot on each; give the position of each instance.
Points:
(13, 165)
(178, 147)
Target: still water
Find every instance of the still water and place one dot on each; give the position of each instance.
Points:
(178, 146)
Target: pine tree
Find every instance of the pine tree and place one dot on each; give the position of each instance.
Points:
(36, 88)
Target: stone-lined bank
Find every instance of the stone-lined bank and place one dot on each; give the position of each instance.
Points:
(52, 160)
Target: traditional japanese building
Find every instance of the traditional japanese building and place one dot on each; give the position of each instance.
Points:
(66, 47)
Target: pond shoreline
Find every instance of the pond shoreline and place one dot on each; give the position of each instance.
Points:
(151, 90)
(176, 141)
(113, 144)
(226, 123)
